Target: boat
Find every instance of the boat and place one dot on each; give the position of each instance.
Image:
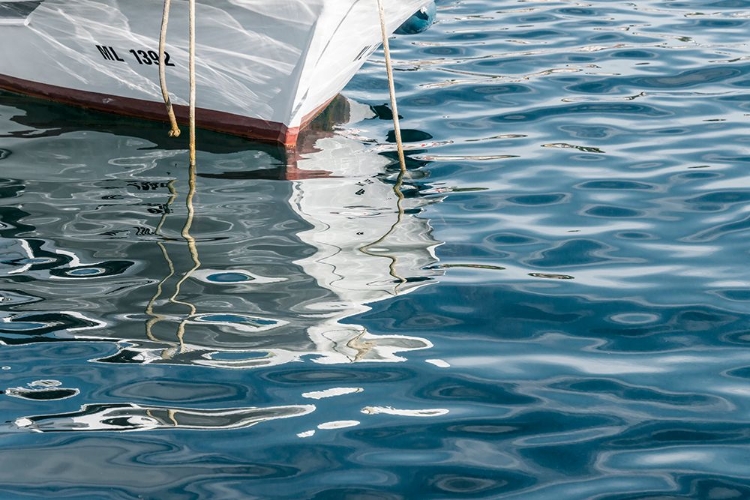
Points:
(264, 68)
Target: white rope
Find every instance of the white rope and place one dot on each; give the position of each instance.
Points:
(175, 132)
(391, 88)
(192, 82)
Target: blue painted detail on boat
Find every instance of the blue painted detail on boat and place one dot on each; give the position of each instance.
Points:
(419, 21)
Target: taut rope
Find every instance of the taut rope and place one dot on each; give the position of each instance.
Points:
(175, 131)
(192, 82)
(391, 87)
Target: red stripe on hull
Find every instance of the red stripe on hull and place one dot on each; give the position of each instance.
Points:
(229, 123)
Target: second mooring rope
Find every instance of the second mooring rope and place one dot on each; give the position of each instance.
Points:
(192, 82)
(175, 132)
(391, 87)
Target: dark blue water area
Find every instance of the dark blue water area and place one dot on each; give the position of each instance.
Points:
(554, 302)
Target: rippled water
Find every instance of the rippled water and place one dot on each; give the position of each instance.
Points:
(554, 303)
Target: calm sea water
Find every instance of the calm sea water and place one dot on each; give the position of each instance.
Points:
(554, 303)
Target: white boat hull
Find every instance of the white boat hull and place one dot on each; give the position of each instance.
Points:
(264, 68)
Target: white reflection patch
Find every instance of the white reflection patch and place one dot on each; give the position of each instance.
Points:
(387, 410)
(338, 424)
(438, 362)
(329, 393)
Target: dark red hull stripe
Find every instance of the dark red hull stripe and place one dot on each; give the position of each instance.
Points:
(229, 123)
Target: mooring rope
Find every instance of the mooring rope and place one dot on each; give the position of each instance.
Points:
(175, 132)
(192, 82)
(391, 88)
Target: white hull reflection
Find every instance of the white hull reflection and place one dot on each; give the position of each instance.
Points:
(254, 282)
(370, 246)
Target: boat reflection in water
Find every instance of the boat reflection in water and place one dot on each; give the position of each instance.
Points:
(219, 268)
(362, 242)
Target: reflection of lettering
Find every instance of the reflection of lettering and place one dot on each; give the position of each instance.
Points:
(109, 53)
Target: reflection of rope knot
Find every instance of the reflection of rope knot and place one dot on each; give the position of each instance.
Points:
(362, 346)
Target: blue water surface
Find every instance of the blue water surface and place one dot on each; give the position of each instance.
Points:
(554, 302)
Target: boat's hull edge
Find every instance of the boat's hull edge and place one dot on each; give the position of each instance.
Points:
(220, 121)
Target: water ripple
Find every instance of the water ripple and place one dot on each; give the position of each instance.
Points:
(131, 417)
(551, 302)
